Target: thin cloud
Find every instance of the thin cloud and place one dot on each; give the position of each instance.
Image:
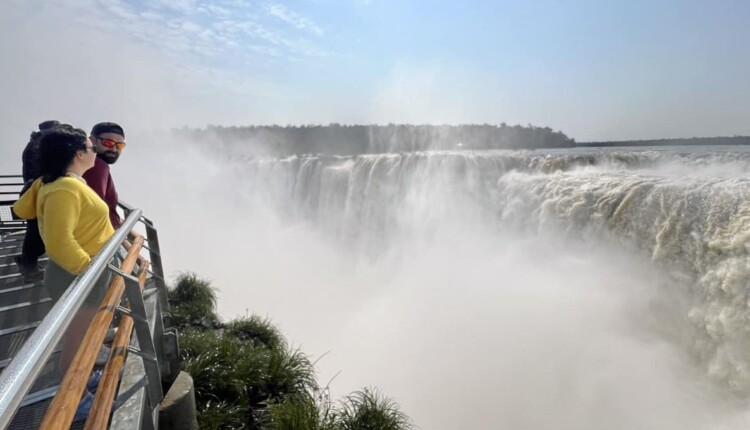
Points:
(216, 10)
(151, 16)
(191, 27)
(188, 31)
(174, 77)
(295, 20)
(182, 6)
(118, 9)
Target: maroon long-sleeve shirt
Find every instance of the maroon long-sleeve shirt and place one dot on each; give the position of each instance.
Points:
(100, 180)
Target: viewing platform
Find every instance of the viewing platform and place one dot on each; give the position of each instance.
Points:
(35, 392)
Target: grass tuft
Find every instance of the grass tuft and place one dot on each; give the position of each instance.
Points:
(369, 410)
(222, 414)
(259, 331)
(302, 412)
(193, 301)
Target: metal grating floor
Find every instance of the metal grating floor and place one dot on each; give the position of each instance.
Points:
(17, 322)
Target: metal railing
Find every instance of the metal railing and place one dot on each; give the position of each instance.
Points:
(10, 186)
(99, 415)
(20, 374)
(63, 408)
(156, 354)
(10, 181)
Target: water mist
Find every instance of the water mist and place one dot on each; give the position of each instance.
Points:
(475, 294)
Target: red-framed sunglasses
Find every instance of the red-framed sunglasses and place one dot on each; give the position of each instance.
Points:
(109, 143)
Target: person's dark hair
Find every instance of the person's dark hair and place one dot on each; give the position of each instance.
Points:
(107, 127)
(35, 136)
(57, 149)
(30, 154)
(46, 125)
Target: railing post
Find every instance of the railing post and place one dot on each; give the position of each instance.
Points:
(146, 349)
(155, 253)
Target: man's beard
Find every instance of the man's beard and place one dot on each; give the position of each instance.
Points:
(109, 157)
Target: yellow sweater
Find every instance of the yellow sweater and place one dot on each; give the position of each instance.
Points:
(73, 220)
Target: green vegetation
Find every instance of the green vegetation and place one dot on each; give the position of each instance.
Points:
(689, 141)
(247, 376)
(365, 139)
(192, 302)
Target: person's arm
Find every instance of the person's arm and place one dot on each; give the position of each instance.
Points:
(111, 199)
(25, 206)
(61, 212)
(114, 219)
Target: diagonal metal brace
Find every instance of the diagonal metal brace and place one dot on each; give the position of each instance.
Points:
(125, 276)
(152, 251)
(136, 318)
(154, 275)
(144, 355)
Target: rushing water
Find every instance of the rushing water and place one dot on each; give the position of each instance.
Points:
(587, 288)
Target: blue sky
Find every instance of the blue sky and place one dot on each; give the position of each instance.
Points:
(593, 69)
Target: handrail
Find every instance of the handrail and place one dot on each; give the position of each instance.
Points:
(4, 183)
(99, 414)
(63, 408)
(25, 367)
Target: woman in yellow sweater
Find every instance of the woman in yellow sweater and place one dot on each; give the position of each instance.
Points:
(73, 222)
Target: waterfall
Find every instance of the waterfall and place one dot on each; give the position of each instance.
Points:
(695, 225)
(581, 288)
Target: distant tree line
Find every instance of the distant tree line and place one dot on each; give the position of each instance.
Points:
(359, 139)
(734, 140)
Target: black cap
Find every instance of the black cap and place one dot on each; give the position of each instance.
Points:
(107, 127)
(48, 124)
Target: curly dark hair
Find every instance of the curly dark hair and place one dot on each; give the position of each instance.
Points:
(57, 149)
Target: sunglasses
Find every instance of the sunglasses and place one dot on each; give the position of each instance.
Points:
(109, 143)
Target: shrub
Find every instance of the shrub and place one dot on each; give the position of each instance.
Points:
(215, 415)
(259, 331)
(246, 376)
(302, 412)
(193, 301)
(369, 410)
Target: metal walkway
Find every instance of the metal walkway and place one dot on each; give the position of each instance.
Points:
(151, 363)
(22, 307)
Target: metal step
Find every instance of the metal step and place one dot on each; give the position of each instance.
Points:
(12, 238)
(35, 404)
(19, 326)
(7, 247)
(7, 268)
(28, 293)
(13, 278)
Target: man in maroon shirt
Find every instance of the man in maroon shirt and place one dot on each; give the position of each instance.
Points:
(109, 140)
